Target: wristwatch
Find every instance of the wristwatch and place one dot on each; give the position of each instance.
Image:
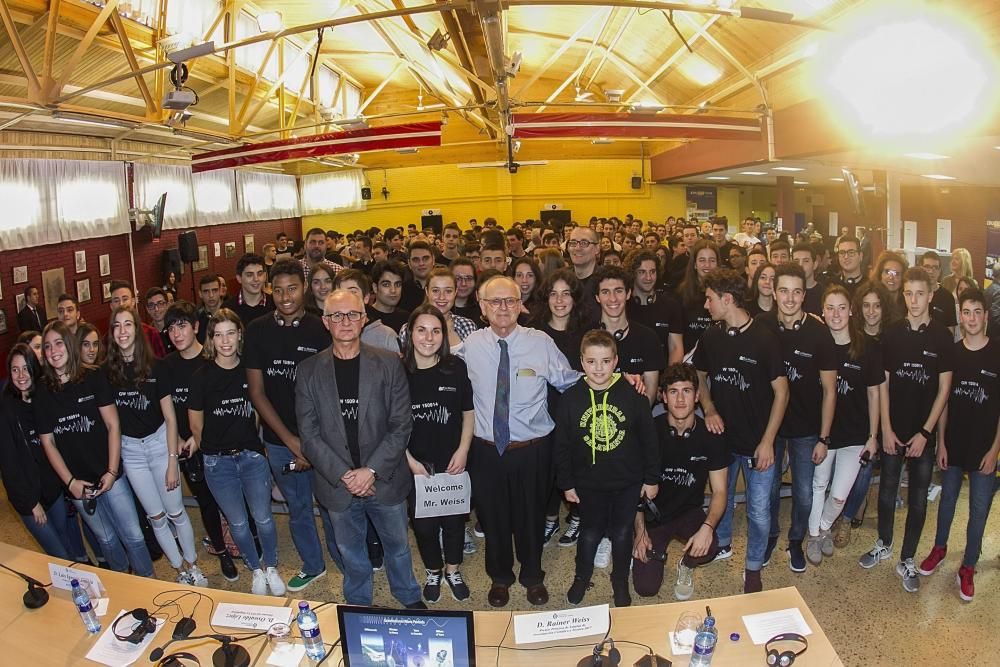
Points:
(374, 474)
(825, 439)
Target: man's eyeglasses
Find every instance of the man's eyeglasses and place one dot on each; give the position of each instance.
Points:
(156, 305)
(847, 253)
(465, 279)
(507, 302)
(352, 315)
(580, 243)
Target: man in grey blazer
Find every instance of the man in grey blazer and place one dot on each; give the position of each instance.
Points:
(353, 408)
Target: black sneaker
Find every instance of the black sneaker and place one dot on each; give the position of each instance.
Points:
(432, 587)
(576, 592)
(419, 604)
(796, 558)
(723, 553)
(572, 532)
(551, 526)
(376, 556)
(622, 596)
(772, 542)
(459, 590)
(228, 568)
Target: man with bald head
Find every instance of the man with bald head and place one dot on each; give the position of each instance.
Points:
(510, 367)
(355, 435)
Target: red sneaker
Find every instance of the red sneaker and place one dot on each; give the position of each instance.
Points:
(966, 586)
(930, 563)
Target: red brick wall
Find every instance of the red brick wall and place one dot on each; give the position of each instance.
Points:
(148, 265)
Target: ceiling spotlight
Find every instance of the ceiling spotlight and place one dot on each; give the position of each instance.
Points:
(438, 41)
(269, 21)
(514, 63)
(614, 96)
(703, 107)
(582, 95)
(647, 107)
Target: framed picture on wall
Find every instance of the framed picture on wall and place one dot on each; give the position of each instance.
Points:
(20, 302)
(3, 321)
(80, 261)
(106, 292)
(105, 263)
(83, 290)
(20, 274)
(230, 249)
(202, 263)
(248, 246)
(53, 285)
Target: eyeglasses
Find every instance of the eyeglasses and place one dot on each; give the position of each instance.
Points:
(465, 279)
(352, 315)
(581, 243)
(506, 302)
(847, 253)
(156, 305)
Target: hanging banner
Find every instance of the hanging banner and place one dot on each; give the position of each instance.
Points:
(634, 126)
(390, 137)
(702, 201)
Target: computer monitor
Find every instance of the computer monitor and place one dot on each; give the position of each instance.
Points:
(374, 637)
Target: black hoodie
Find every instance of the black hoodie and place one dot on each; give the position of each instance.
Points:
(626, 451)
(27, 475)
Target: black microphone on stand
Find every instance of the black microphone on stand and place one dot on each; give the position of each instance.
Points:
(230, 654)
(36, 596)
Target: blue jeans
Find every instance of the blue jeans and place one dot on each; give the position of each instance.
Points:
(240, 481)
(297, 488)
(116, 519)
(800, 463)
(758, 502)
(980, 501)
(390, 521)
(52, 535)
(859, 492)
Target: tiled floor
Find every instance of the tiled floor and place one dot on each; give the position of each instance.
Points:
(867, 615)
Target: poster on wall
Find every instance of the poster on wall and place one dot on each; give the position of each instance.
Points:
(992, 247)
(83, 290)
(20, 301)
(3, 322)
(230, 249)
(53, 285)
(202, 263)
(20, 274)
(248, 245)
(702, 201)
(106, 292)
(105, 262)
(80, 261)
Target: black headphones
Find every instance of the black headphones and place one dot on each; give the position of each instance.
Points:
(686, 433)
(598, 659)
(281, 321)
(736, 331)
(796, 326)
(174, 660)
(618, 334)
(919, 330)
(651, 299)
(145, 625)
(784, 658)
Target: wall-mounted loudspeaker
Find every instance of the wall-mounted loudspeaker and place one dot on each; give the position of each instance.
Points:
(366, 192)
(187, 244)
(637, 182)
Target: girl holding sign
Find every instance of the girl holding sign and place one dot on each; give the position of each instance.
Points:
(441, 397)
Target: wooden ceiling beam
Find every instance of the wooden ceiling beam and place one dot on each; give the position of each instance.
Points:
(248, 117)
(50, 42)
(110, 7)
(570, 41)
(34, 87)
(675, 56)
(152, 108)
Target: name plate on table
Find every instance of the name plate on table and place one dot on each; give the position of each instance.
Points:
(250, 616)
(61, 577)
(442, 495)
(547, 626)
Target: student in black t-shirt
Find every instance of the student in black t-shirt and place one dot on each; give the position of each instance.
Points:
(761, 298)
(749, 393)
(690, 456)
(639, 350)
(606, 459)
(942, 302)
(918, 356)
(181, 325)
(443, 421)
(387, 279)
(808, 353)
(804, 254)
(704, 260)
(661, 311)
(251, 301)
(855, 429)
(78, 425)
(141, 389)
(970, 440)
(224, 426)
(275, 345)
(32, 487)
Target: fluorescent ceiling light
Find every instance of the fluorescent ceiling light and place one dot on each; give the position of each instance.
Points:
(838, 180)
(269, 21)
(926, 156)
(787, 169)
(717, 178)
(801, 182)
(87, 119)
(753, 173)
(651, 107)
(602, 140)
(939, 177)
(698, 70)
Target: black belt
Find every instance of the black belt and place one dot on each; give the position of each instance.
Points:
(517, 444)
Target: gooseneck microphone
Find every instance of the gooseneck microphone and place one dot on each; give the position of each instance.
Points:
(36, 596)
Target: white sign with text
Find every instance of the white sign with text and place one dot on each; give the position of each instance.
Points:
(549, 626)
(61, 577)
(250, 616)
(442, 495)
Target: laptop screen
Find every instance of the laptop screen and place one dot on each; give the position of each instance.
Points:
(373, 637)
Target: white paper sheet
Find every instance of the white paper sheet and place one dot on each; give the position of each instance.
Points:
(762, 627)
(110, 651)
(287, 658)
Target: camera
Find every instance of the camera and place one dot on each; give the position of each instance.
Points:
(653, 554)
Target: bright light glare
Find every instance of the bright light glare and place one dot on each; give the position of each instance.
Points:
(753, 173)
(717, 178)
(806, 8)
(926, 156)
(699, 70)
(904, 72)
(939, 177)
(22, 206)
(787, 169)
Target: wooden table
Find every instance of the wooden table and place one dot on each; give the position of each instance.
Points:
(54, 635)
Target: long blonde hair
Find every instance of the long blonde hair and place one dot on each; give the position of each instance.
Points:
(965, 261)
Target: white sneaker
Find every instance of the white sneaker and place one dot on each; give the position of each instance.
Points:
(259, 586)
(602, 558)
(198, 577)
(184, 578)
(274, 582)
(469, 546)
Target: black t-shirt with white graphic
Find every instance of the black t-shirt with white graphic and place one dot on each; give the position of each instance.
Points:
(568, 343)
(740, 370)
(805, 351)
(180, 373)
(230, 421)
(72, 415)
(943, 307)
(276, 351)
(664, 315)
(139, 411)
(438, 396)
(973, 404)
(851, 426)
(640, 350)
(348, 372)
(697, 321)
(684, 466)
(914, 361)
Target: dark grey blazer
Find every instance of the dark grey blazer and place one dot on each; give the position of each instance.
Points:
(384, 425)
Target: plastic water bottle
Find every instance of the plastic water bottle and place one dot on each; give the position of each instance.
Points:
(309, 628)
(704, 643)
(84, 606)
